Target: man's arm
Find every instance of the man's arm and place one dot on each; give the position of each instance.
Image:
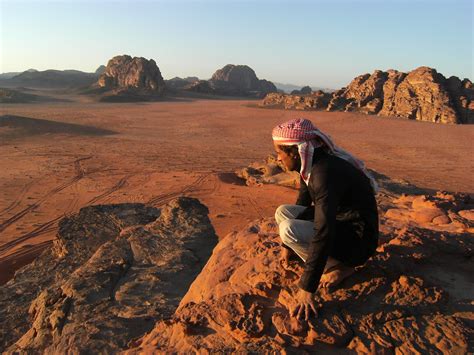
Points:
(328, 189)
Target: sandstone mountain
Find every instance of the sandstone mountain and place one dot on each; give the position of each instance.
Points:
(422, 94)
(134, 78)
(235, 80)
(10, 75)
(50, 79)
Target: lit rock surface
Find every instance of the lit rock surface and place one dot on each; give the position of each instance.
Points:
(422, 94)
(113, 271)
(132, 78)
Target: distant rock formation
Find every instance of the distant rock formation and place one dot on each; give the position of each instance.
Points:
(178, 83)
(112, 272)
(240, 79)
(10, 75)
(135, 76)
(234, 80)
(305, 90)
(422, 94)
(202, 87)
(100, 70)
(69, 79)
(314, 101)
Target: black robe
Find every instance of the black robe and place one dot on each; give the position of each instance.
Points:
(345, 216)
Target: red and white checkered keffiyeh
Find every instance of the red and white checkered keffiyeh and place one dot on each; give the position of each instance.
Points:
(307, 137)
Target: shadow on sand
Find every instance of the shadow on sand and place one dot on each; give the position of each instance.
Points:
(18, 127)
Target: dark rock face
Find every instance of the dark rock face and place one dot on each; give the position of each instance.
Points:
(236, 80)
(113, 271)
(422, 94)
(305, 90)
(138, 75)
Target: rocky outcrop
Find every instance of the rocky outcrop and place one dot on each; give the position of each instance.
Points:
(270, 171)
(316, 100)
(178, 83)
(414, 295)
(422, 94)
(135, 76)
(113, 271)
(234, 80)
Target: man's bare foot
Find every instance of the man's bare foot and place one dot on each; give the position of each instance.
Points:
(286, 260)
(335, 275)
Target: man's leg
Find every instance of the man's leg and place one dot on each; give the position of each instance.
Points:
(296, 234)
(285, 212)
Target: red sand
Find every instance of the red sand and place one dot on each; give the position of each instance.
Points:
(164, 149)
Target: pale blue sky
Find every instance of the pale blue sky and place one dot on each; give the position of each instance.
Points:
(321, 43)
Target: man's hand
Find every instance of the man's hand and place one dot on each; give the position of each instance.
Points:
(305, 305)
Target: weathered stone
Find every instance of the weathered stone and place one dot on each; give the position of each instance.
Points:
(113, 271)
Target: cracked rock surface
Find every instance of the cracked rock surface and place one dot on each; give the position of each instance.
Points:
(113, 271)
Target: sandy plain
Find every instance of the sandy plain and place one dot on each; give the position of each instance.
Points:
(57, 157)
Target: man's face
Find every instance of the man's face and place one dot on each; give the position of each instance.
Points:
(289, 161)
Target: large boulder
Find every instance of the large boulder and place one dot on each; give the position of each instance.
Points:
(137, 74)
(112, 272)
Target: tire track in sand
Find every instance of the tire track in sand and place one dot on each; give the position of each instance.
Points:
(161, 199)
(79, 174)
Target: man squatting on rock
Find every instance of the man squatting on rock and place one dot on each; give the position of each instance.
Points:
(333, 227)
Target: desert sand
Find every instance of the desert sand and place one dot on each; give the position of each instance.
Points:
(58, 157)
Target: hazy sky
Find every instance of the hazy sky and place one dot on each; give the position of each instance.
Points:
(321, 43)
